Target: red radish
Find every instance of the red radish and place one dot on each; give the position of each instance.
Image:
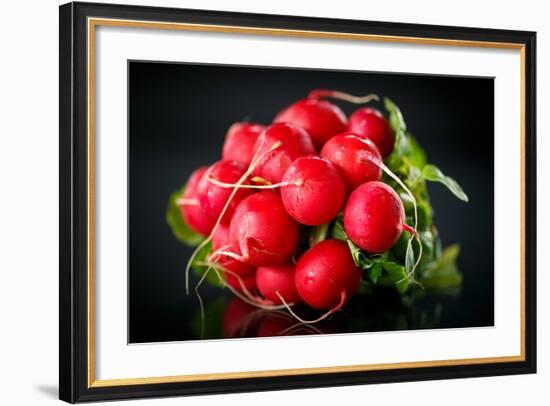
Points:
(353, 155)
(277, 278)
(263, 230)
(249, 282)
(235, 316)
(295, 142)
(320, 118)
(213, 197)
(374, 217)
(326, 275)
(369, 123)
(239, 142)
(192, 212)
(313, 190)
(220, 241)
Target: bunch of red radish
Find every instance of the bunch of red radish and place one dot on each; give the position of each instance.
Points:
(273, 182)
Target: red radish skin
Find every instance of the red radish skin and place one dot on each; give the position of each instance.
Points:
(313, 190)
(374, 217)
(228, 206)
(263, 230)
(220, 241)
(326, 274)
(239, 142)
(351, 154)
(192, 212)
(295, 142)
(320, 118)
(213, 197)
(369, 123)
(277, 278)
(249, 282)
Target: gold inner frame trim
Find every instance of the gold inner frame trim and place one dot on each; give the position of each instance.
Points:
(94, 22)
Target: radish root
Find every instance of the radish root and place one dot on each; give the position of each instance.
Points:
(255, 160)
(343, 297)
(270, 186)
(246, 295)
(187, 202)
(335, 94)
(199, 298)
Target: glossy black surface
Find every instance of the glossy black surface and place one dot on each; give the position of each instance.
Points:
(179, 114)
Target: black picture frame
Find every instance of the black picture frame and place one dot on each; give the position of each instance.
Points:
(74, 385)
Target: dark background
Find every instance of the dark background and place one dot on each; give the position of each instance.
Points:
(178, 117)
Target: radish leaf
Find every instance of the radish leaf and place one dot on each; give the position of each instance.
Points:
(318, 234)
(397, 122)
(443, 273)
(180, 229)
(375, 272)
(434, 174)
(397, 275)
(199, 266)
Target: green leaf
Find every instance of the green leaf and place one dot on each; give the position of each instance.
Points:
(423, 207)
(443, 273)
(397, 275)
(397, 122)
(375, 264)
(443, 281)
(405, 144)
(415, 153)
(415, 175)
(449, 256)
(176, 222)
(318, 234)
(375, 272)
(199, 266)
(427, 240)
(358, 256)
(434, 174)
(337, 231)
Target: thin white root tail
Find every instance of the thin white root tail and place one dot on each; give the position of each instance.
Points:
(234, 185)
(201, 304)
(187, 202)
(229, 254)
(335, 94)
(246, 295)
(343, 297)
(255, 160)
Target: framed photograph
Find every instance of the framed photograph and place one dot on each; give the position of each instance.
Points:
(256, 202)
